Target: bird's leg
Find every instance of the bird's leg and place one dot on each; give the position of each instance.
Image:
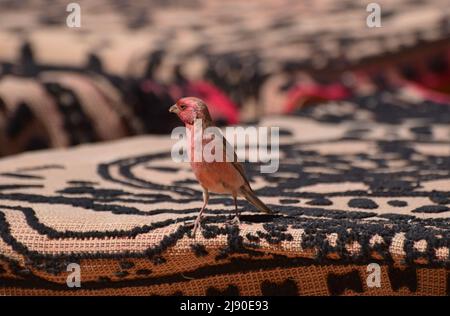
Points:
(236, 220)
(199, 217)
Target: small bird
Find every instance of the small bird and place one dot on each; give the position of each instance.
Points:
(223, 177)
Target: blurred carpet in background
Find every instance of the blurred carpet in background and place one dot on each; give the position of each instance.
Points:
(117, 74)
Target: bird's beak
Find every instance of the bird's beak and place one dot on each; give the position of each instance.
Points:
(174, 109)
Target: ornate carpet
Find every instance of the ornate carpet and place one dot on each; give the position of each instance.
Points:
(359, 182)
(62, 86)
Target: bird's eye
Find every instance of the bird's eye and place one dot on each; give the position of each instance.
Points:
(182, 107)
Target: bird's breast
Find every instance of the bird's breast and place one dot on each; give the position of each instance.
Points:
(217, 177)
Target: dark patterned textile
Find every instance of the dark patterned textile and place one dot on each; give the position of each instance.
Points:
(361, 181)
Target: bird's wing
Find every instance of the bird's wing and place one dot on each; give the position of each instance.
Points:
(231, 157)
(234, 161)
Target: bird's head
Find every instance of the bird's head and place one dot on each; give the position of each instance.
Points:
(189, 109)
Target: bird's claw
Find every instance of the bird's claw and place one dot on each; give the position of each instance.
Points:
(235, 221)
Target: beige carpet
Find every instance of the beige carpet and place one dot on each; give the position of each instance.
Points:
(360, 182)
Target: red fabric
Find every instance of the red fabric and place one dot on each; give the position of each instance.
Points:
(303, 92)
(220, 105)
(428, 94)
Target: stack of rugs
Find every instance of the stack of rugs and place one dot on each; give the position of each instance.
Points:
(361, 183)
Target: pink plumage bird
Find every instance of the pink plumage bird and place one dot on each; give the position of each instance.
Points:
(223, 177)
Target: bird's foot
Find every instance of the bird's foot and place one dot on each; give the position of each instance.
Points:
(234, 221)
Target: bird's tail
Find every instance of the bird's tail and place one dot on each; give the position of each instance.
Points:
(254, 200)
